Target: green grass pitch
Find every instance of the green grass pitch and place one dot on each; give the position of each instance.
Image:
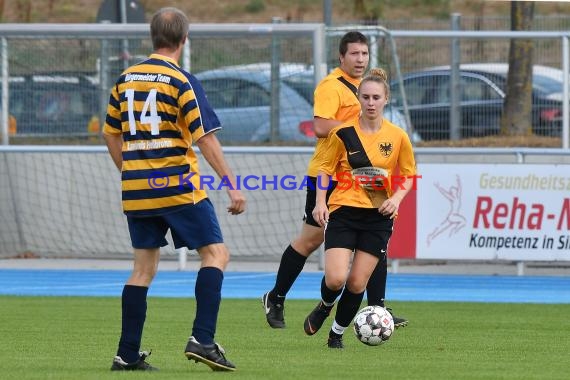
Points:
(76, 338)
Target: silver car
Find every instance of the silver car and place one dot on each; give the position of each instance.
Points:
(241, 97)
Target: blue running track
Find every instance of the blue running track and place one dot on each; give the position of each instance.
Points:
(401, 287)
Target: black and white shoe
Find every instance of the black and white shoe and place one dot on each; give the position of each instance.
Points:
(335, 342)
(273, 312)
(398, 321)
(140, 365)
(315, 320)
(213, 355)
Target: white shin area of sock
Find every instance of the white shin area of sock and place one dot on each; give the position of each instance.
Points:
(337, 329)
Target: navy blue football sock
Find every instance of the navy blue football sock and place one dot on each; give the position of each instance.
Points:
(291, 265)
(133, 302)
(208, 293)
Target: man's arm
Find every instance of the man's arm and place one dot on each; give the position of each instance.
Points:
(115, 146)
(324, 126)
(211, 149)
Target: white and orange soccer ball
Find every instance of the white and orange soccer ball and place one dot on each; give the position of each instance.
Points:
(373, 325)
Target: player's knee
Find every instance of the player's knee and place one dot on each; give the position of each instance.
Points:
(307, 243)
(142, 277)
(315, 243)
(356, 284)
(215, 255)
(334, 282)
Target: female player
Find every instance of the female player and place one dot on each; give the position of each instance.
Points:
(363, 153)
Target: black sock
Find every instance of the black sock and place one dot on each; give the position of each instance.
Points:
(291, 265)
(329, 295)
(208, 293)
(376, 287)
(347, 307)
(133, 302)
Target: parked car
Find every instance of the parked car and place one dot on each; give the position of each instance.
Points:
(482, 93)
(302, 81)
(53, 104)
(241, 96)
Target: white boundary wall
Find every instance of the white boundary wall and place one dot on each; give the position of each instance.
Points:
(60, 201)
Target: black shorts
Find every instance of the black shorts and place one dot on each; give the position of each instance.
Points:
(354, 228)
(311, 200)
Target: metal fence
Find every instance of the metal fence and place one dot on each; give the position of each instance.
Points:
(479, 61)
(56, 78)
(260, 78)
(486, 22)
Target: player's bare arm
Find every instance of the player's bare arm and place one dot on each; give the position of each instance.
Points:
(211, 149)
(115, 146)
(324, 126)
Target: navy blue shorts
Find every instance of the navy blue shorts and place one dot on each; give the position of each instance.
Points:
(194, 226)
(354, 228)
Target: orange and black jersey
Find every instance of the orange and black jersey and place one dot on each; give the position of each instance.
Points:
(348, 148)
(160, 110)
(335, 99)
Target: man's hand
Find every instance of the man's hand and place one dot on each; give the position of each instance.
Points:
(212, 152)
(237, 199)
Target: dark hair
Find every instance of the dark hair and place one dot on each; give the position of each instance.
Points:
(168, 28)
(349, 38)
(377, 75)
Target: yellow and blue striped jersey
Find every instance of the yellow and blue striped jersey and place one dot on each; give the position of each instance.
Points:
(160, 110)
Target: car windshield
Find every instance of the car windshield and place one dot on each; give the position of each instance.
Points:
(546, 84)
(303, 85)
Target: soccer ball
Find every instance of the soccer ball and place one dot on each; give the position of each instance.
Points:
(373, 325)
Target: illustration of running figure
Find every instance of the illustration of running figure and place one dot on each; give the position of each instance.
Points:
(454, 221)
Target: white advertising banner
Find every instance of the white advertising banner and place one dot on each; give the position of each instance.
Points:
(488, 212)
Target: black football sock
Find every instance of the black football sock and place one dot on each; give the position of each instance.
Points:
(208, 293)
(133, 302)
(376, 287)
(291, 265)
(329, 296)
(347, 307)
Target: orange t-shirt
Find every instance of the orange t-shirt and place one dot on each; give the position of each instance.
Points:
(334, 100)
(348, 148)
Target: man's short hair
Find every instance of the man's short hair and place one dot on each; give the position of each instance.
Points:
(351, 37)
(168, 28)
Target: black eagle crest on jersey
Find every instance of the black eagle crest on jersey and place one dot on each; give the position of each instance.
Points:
(385, 148)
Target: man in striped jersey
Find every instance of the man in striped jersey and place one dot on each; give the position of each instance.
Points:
(156, 112)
